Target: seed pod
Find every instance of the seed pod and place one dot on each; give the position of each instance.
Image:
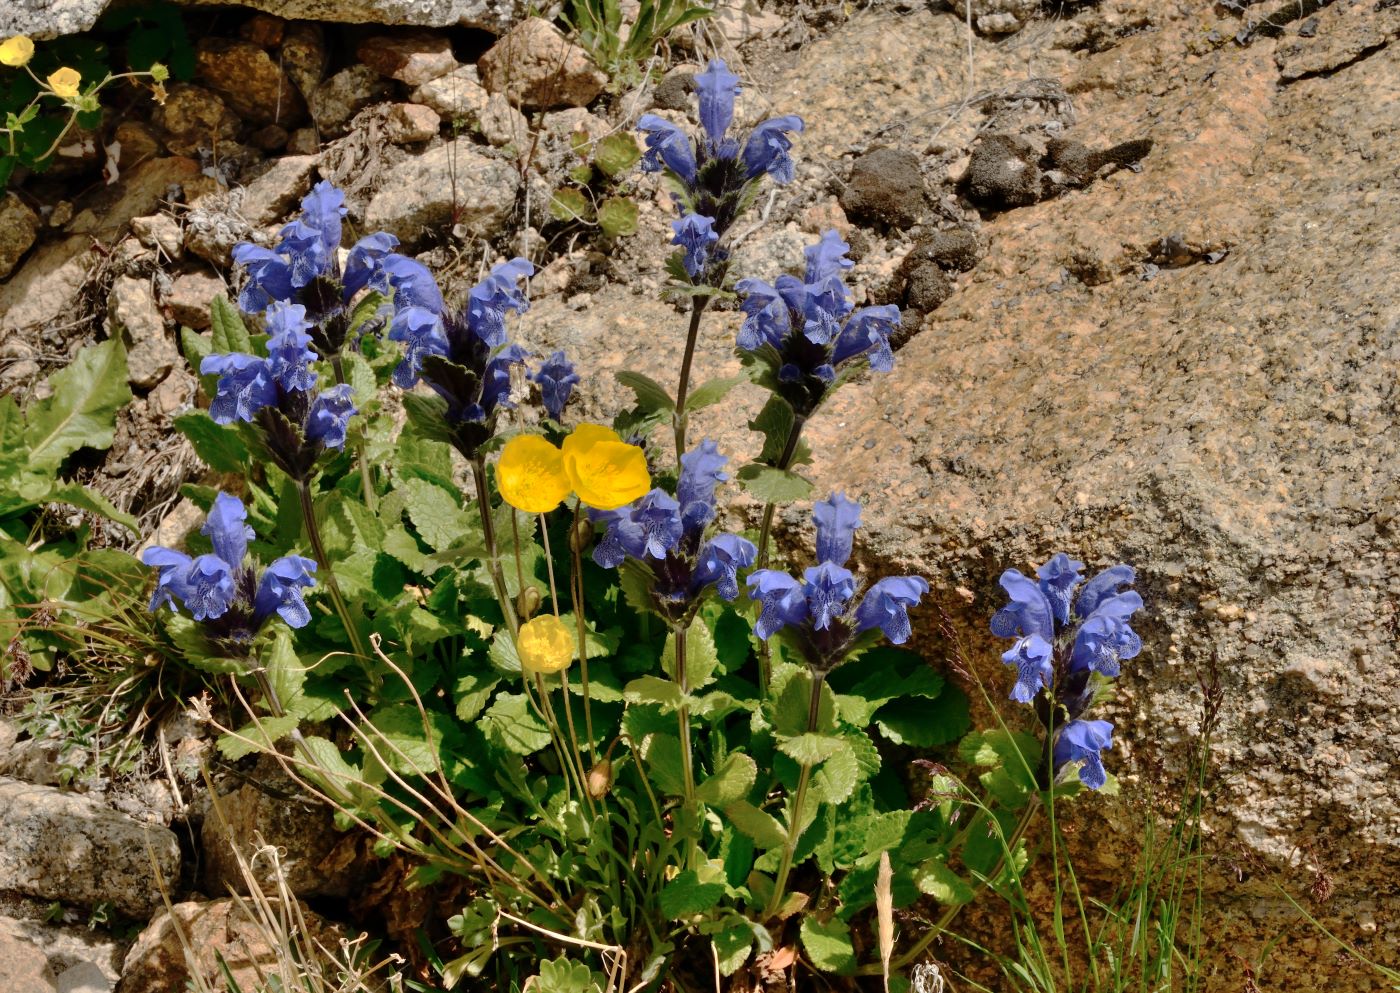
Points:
(527, 603)
(600, 779)
(581, 535)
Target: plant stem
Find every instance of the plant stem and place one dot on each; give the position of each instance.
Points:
(326, 575)
(488, 534)
(798, 802)
(697, 308)
(683, 715)
(765, 531)
(366, 482)
(576, 596)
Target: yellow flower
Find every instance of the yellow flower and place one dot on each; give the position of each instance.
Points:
(65, 83)
(545, 645)
(605, 471)
(16, 51)
(531, 475)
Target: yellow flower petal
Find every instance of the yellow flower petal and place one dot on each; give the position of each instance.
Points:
(530, 475)
(604, 471)
(16, 51)
(65, 83)
(545, 645)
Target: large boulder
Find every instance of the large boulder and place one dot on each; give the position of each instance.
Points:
(535, 66)
(452, 182)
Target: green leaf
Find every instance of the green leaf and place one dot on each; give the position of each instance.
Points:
(828, 944)
(436, 514)
(406, 745)
(564, 975)
(926, 723)
(332, 771)
(472, 691)
(775, 422)
(229, 333)
(617, 216)
(262, 736)
(653, 689)
(730, 782)
(942, 883)
(569, 204)
(651, 395)
(701, 659)
(761, 827)
(712, 392)
(219, 445)
(81, 412)
(769, 484)
(617, 153)
(792, 703)
(663, 763)
(838, 776)
(195, 346)
(93, 502)
(510, 723)
(685, 896)
(809, 749)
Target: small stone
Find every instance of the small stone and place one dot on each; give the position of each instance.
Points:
(160, 231)
(955, 250)
(83, 977)
(19, 226)
(47, 285)
(1003, 173)
(676, 91)
(344, 95)
(23, 967)
(61, 214)
(998, 16)
(500, 123)
(138, 140)
(174, 394)
(151, 354)
(249, 81)
(189, 297)
(304, 55)
(458, 95)
(213, 225)
(885, 187)
(741, 22)
(927, 288)
(269, 138)
(276, 189)
(417, 195)
(63, 846)
(408, 123)
(263, 29)
(303, 141)
(535, 66)
(413, 59)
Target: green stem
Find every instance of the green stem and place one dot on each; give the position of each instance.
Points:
(697, 308)
(798, 802)
(765, 531)
(576, 596)
(488, 534)
(361, 452)
(326, 575)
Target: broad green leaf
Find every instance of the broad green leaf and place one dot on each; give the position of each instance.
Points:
(763, 828)
(564, 975)
(406, 745)
(230, 334)
(437, 514)
(730, 782)
(651, 395)
(732, 947)
(662, 755)
(809, 749)
(774, 422)
(712, 391)
(700, 656)
(792, 703)
(286, 676)
(686, 896)
(926, 723)
(333, 771)
(943, 884)
(81, 412)
(219, 445)
(511, 723)
(653, 689)
(472, 691)
(262, 736)
(771, 485)
(836, 780)
(828, 944)
(617, 216)
(90, 500)
(12, 451)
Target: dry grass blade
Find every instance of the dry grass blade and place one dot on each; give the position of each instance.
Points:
(884, 914)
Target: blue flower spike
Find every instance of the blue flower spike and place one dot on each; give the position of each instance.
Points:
(556, 379)
(1084, 742)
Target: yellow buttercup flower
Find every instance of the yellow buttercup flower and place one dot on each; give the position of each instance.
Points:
(65, 83)
(605, 471)
(16, 51)
(531, 475)
(545, 645)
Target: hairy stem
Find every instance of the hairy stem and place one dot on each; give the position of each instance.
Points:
(683, 715)
(697, 308)
(576, 596)
(765, 532)
(326, 575)
(798, 802)
(488, 534)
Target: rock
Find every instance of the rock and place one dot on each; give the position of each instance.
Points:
(740, 22)
(84, 977)
(189, 298)
(19, 226)
(317, 859)
(263, 29)
(676, 91)
(77, 958)
(214, 224)
(47, 285)
(269, 138)
(417, 194)
(886, 188)
(24, 968)
(1003, 173)
(344, 95)
(413, 59)
(304, 56)
(194, 118)
(457, 95)
(535, 66)
(926, 288)
(160, 231)
(138, 141)
(500, 123)
(107, 213)
(151, 353)
(277, 188)
(31, 760)
(221, 935)
(303, 141)
(174, 394)
(409, 123)
(956, 250)
(998, 16)
(61, 846)
(178, 523)
(249, 81)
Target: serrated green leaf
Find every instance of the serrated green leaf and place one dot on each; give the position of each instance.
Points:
(511, 723)
(775, 423)
(701, 660)
(686, 896)
(791, 704)
(617, 153)
(406, 745)
(472, 692)
(219, 445)
(569, 204)
(828, 944)
(732, 947)
(617, 216)
(662, 755)
(943, 884)
(809, 749)
(651, 395)
(836, 779)
(769, 484)
(437, 515)
(759, 826)
(82, 409)
(564, 975)
(926, 723)
(712, 391)
(332, 771)
(655, 690)
(262, 736)
(229, 333)
(730, 782)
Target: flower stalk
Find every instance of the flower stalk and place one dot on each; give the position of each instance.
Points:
(327, 575)
(493, 556)
(799, 800)
(697, 310)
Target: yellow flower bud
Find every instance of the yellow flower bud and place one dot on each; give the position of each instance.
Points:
(531, 475)
(605, 471)
(16, 51)
(545, 645)
(65, 82)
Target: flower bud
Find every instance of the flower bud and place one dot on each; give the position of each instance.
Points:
(527, 604)
(600, 779)
(581, 535)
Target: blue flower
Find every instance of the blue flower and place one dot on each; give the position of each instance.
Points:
(421, 330)
(322, 210)
(556, 379)
(1105, 639)
(701, 471)
(1027, 614)
(1058, 578)
(269, 277)
(696, 234)
(768, 147)
(1101, 587)
(828, 587)
(716, 89)
(227, 529)
(783, 602)
(495, 387)
(412, 284)
(289, 354)
(1083, 741)
(305, 252)
(767, 315)
(363, 268)
(329, 416)
(1033, 658)
(649, 528)
(826, 259)
(886, 606)
(667, 147)
(867, 333)
(280, 591)
(718, 562)
(837, 519)
(490, 299)
(246, 385)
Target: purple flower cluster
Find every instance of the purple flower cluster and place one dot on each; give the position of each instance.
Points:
(1064, 641)
(715, 172)
(805, 332)
(821, 611)
(556, 379)
(668, 533)
(221, 589)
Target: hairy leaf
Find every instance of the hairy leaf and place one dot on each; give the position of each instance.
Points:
(772, 485)
(828, 945)
(81, 412)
